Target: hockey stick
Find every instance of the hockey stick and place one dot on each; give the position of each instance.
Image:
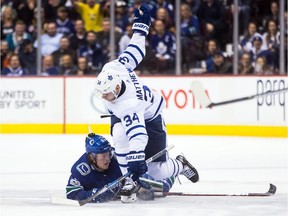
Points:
(270, 192)
(106, 116)
(112, 184)
(204, 100)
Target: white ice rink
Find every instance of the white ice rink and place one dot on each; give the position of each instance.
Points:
(35, 168)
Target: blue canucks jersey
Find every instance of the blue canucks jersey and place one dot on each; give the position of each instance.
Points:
(86, 180)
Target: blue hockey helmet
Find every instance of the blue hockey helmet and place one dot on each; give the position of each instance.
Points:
(96, 144)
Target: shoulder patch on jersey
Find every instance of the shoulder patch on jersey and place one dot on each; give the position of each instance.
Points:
(83, 168)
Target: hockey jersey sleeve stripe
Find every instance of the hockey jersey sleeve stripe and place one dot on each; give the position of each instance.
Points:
(132, 56)
(120, 155)
(123, 165)
(71, 189)
(133, 128)
(138, 134)
(157, 111)
(137, 47)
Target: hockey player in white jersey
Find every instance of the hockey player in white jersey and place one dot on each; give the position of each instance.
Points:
(137, 125)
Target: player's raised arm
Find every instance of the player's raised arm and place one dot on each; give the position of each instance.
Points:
(135, 51)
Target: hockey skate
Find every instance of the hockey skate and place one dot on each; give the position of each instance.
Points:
(188, 170)
(128, 191)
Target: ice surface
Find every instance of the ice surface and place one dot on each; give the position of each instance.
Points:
(35, 168)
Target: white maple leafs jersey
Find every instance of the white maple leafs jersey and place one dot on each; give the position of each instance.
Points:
(138, 103)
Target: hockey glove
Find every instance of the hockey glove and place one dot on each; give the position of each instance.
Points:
(136, 164)
(142, 21)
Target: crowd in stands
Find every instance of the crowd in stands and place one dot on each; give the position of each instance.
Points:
(75, 36)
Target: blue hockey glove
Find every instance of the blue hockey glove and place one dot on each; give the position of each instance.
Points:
(142, 21)
(136, 164)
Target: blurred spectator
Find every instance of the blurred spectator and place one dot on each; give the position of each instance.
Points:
(212, 19)
(273, 15)
(271, 36)
(92, 13)
(125, 39)
(244, 10)
(246, 42)
(191, 41)
(165, 4)
(163, 45)
(64, 49)
(93, 52)
(5, 54)
(220, 64)
(193, 5)
(27, 56)
(16, 38)
(162, 14)
(103, 37)
(50, 40)
(207, 62)
(64, 23)
(245, 65)
(258, 50)
(83, 68)
(32, 28)
(78, 39)
(261, 66)
(14, 68)
(271, 41)
(121, 16)
(50, 8)
(260, 10)
(25, 10)
(48, 67)
(67, 66)
(7, 22)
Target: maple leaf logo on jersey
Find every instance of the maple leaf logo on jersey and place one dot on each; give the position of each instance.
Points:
(110, 77)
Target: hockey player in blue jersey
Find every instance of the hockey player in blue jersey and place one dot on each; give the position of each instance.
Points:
(93, 170)
(98, 167)
(137, 125)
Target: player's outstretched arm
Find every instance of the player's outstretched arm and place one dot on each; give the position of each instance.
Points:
(136, 51)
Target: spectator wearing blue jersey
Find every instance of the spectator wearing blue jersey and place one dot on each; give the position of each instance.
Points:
(246, 41)
(64, 23)
(14, 68)
(92, 51)
(48, 67)
(258, 50)
(163, 45)
(191, 41)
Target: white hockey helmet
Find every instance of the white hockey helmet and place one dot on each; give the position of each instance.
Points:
(109, 78)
